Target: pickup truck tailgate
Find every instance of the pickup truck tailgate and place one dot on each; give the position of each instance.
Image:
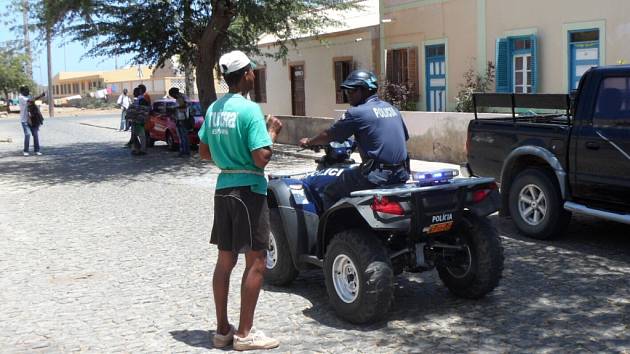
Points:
(492, 140)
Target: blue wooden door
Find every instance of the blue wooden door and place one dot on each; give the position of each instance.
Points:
(436, 77)
(584, 54)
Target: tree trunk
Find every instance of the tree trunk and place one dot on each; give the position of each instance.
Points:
(209, 45)
(51, 105)
(189, 84)
(27, 41)
(187, 22)
(205, 80)
(6, 96)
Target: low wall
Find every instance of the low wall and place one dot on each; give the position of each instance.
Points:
(433, 136)
(294, 128)
(437, 136)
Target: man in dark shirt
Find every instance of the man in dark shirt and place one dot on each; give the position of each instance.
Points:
(380, 134)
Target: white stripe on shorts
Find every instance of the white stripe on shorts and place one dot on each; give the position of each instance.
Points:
(251, 239)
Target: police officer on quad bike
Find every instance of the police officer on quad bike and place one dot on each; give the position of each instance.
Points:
(380, 134)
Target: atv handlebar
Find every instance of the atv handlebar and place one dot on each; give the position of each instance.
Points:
(315, 148)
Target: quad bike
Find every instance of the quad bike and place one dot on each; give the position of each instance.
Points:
(362, 242)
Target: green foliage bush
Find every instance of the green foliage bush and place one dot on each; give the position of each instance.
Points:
(399, 95)
(474, 82)
(91, 103)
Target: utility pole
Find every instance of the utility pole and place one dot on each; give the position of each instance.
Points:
(27, 41)
(51, 105)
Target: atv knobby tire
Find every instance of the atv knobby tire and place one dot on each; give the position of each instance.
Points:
(283, 271)
(375, 284)
(481, 273)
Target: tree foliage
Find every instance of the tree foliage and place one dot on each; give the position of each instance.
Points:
(197, 31)
(56, 15)
(12, 73)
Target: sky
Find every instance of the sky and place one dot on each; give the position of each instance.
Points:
(66, 57)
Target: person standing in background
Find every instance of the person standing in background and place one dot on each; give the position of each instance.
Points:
(138, 114)
(146, 101)
(28, 127)
(123, 102)
(181, 121)
(144, 94)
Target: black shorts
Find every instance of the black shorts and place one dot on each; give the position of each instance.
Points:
(241, 220)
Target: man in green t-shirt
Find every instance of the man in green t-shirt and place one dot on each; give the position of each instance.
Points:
(235, 136)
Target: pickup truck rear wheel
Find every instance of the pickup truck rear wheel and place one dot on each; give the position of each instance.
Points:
(474, 270)
(535, 205)
(280, 268)
(359, 276)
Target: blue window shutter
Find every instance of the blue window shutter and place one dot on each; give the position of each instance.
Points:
(534, 63)
(503, 66)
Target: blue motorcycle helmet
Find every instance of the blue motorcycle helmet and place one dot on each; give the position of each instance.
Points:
(360, 78)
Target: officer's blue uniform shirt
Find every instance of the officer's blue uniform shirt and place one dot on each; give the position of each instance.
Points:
(378, 128)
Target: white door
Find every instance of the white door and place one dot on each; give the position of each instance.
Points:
(522, 73)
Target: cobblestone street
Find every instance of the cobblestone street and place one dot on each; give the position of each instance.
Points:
(101, 251)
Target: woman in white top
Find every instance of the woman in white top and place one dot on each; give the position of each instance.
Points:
(25, 99)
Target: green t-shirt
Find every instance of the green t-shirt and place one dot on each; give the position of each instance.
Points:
(233, 128)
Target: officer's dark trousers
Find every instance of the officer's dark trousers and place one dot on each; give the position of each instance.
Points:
(359, 179)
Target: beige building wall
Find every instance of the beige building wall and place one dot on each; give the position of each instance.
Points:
(79, 83)
(470, 28)
(157, 80)
(427, 22)
(127, 74)
(317, 56)
(550, 21)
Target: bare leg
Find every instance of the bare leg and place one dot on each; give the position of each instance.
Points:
(250, 289)
(221, 288)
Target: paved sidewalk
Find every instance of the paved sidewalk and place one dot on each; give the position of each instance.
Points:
(104, 252)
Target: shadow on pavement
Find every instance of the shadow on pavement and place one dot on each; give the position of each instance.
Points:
(585, 234)
(101, 162)
(553, 296)
(310, 285)
(195, 338)
(93, 163)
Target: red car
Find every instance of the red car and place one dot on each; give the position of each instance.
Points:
(161, 123)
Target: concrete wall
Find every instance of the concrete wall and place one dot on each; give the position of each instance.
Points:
(434, 136)
(317, 57)
(294, 128)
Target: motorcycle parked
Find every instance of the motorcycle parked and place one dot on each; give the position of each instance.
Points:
(436, 221)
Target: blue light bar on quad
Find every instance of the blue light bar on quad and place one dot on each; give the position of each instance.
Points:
(434, 177)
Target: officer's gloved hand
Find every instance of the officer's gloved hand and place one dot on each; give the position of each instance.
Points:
(303, 143)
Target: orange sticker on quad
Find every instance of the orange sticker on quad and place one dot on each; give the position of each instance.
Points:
(441, 227)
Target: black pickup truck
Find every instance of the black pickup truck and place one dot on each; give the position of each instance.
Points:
(551, 165)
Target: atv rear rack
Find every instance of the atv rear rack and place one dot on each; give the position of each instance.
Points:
(412, 188)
